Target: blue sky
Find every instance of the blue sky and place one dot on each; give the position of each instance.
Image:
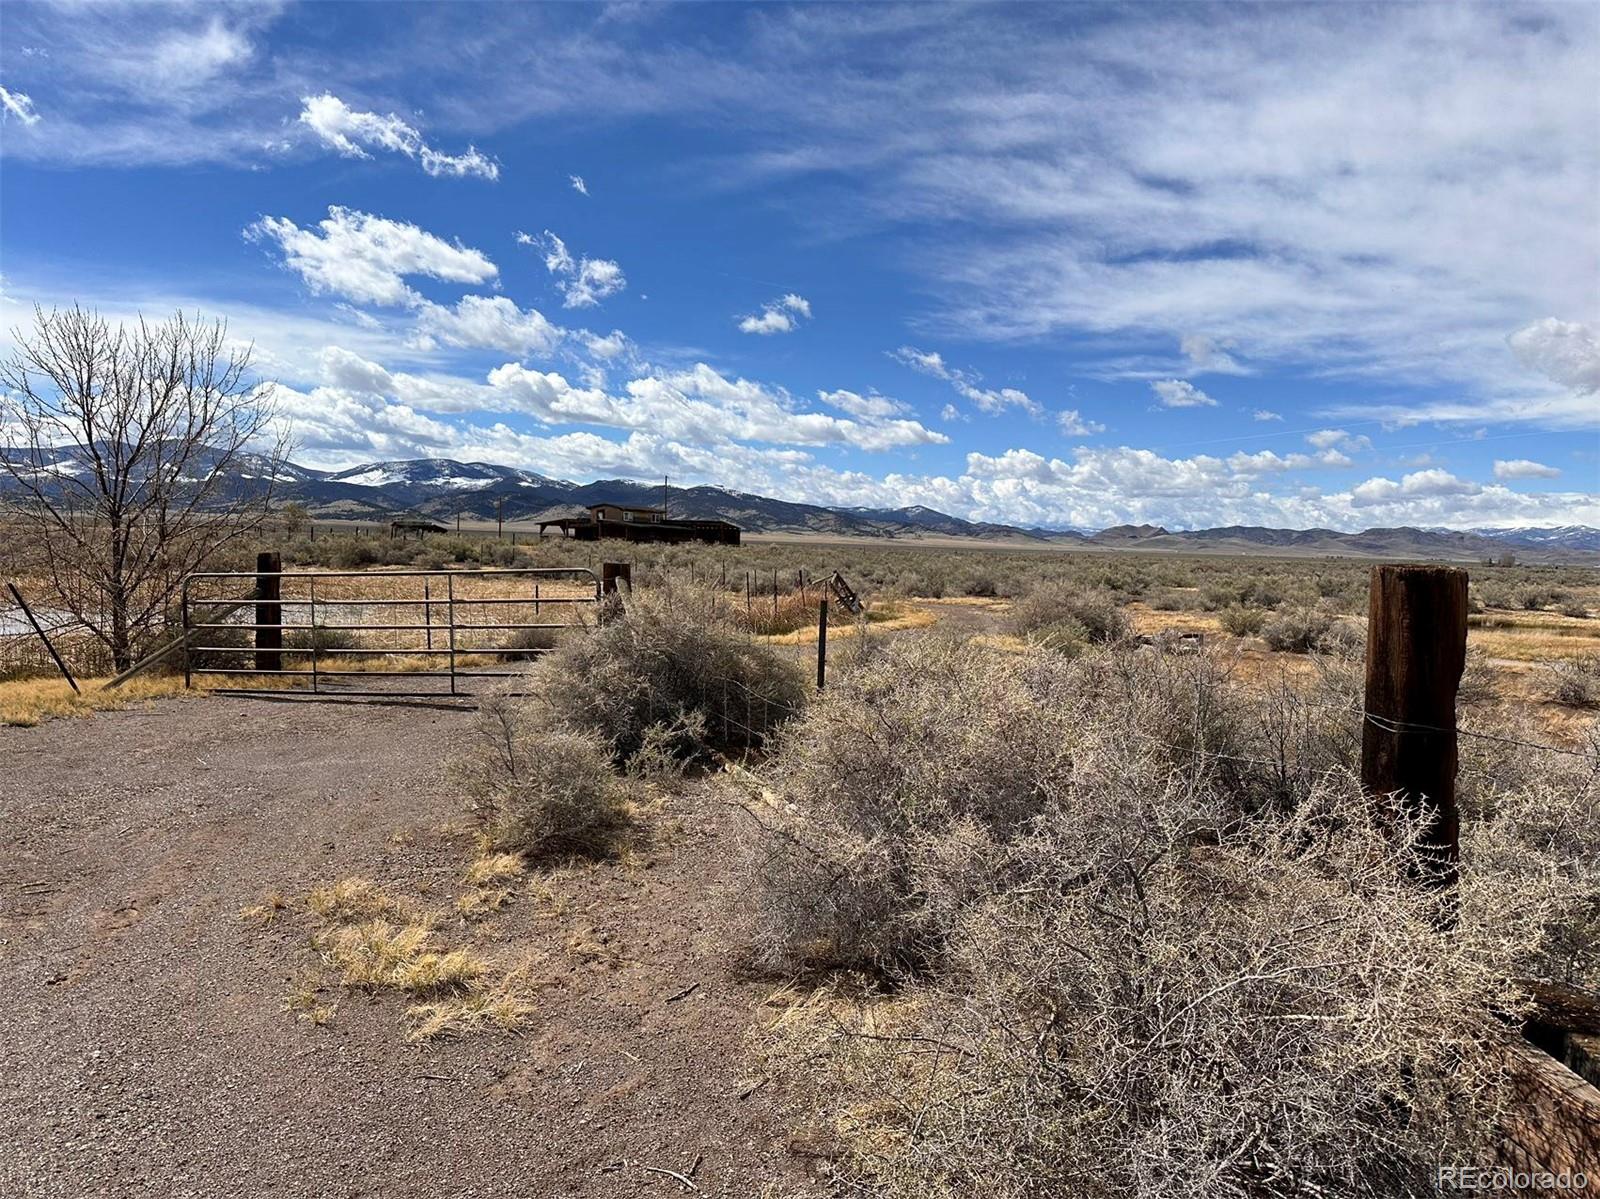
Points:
(1054, 265)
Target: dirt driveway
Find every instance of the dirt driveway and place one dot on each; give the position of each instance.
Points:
(146, 1049)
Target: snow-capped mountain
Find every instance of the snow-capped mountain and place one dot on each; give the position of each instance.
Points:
(443, 489)
(1569, 537)
(440, 474)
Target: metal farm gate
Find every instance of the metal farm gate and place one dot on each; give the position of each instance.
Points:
(424, 632)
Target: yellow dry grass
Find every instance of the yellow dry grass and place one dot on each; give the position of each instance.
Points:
(1533, 636)
(1149, 620)
(1005, 642)
(491, 868)
(376, 941)
(481, 901)
(304, 1002)
(377, 954)
(273, 904)
(27, 702)
(352, 900)
(881, 617)
(500, 1006)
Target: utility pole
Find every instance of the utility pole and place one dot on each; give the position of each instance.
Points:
(499, 518)
(663, 497)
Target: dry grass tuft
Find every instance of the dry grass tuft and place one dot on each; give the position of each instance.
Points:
(491, 868)
(376, 954)
(500, 1008)
(376, 942)
(273, 904)
(304, 1002)
(353, 900)
(481, 901)
(594, 948)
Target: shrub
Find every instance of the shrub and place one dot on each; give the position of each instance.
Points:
(784, 613)
(1299, 631)
(531, 644)
(1344, 639)
(322, 639)
(671, 657)
(1575, 682)
(1534, 599)
(539, 790)
(1478, 684)
(927, 747)
(1126, 1016)
(1575, 609)
(1060, 614)
(1113, 972)
(1242, 621)
(354, 553)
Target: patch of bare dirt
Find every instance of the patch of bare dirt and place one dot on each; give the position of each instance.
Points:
(147, 1050)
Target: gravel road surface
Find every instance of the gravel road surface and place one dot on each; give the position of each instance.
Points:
(146, 1049)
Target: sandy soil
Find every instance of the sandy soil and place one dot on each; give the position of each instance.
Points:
(146, 1050)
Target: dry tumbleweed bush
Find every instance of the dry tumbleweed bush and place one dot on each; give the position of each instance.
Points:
(540, 790)
(670, 661)
(1111, 960)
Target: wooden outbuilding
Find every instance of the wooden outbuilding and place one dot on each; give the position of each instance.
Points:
(641, 524)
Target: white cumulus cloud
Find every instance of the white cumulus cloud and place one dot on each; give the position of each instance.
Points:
(488, 322)
(1565, 351)
(582, 281)
(782, 315)
(1071, 422)
(367, 258)
(1180, 393)
(351, 133)
(1524, 468)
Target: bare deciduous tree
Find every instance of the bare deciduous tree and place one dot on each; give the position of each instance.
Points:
(129, 457)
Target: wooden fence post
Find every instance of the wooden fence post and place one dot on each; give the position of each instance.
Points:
(611, 573)
(269, 612)
(822, 645)
(1416, 649)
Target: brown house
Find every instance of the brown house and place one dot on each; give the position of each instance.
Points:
(641, 524)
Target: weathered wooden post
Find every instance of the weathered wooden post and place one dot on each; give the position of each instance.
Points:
(1416, 649)
(269, 613)
(822, 645)
(611, 573)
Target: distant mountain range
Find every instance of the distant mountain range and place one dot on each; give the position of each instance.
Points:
(440, 488)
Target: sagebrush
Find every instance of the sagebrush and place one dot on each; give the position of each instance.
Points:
(1119, 925)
